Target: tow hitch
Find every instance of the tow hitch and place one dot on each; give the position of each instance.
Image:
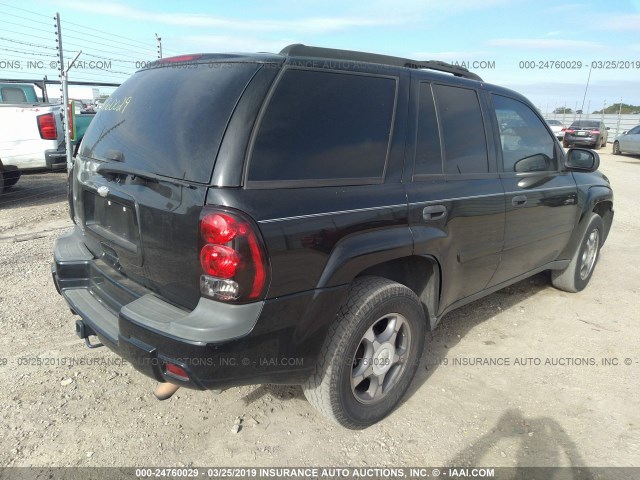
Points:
(84, 332)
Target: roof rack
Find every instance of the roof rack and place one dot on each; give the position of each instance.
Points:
(298, 49)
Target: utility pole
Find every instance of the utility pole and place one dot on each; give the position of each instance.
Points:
(64, 74)
(159, 41)
(65, 95)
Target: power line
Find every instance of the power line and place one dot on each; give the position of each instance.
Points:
(39, 29)
(29, 53)
(29, 43)
(24, 10)
(27, 18)
(29, 35)
(97, 43)
(102, 31)
(103, 38)
(82, 47)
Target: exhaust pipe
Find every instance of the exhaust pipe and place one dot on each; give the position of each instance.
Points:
(163, 391)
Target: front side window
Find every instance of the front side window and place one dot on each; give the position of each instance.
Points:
(322, 125)
(526, 144)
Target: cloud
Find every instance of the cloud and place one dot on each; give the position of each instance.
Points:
(301, 25)
(451, 55)
(230, 43)
(542, 44)
(618, 22)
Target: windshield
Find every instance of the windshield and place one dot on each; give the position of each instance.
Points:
(168, 120)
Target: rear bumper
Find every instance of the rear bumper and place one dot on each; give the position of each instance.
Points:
(57, 158)
(217, 344)
(571, 140)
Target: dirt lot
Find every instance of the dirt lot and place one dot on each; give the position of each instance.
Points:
(562, 407)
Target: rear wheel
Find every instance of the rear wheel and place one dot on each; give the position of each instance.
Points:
(370, 355)
(616, 148)
(597, 145)
(11, 178)
(576, 276)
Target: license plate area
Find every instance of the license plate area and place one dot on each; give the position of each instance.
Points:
(114, 222)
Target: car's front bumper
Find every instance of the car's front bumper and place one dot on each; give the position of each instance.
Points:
(217, 344)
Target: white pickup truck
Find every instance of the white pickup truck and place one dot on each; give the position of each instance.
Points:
(31, 133)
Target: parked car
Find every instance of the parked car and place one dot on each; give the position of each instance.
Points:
(628, 142)
(557, 127)
(592, 133)
(31, 133)
(305, 217)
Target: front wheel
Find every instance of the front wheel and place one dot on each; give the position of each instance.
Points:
(370, 355)
(616, 148)
(576, 276)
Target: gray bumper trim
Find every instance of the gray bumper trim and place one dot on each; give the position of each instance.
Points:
(209, 322)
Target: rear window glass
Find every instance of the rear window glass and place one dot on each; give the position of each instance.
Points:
(325, 126)
(13, 95)
(585, 124)
(168, 120)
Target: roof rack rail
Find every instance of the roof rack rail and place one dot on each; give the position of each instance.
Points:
(298, 49)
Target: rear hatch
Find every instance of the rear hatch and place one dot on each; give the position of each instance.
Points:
(141, 176)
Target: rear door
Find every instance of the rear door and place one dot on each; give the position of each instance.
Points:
(541, 200)
(630, 142)
(142, 174)
(456, 201)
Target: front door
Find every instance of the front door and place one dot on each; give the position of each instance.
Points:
(540, 199)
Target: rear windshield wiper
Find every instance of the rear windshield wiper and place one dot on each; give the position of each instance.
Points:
(134, 172)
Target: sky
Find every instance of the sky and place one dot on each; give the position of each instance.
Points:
(546, 50)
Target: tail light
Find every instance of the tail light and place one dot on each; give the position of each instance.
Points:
(569, 130)
(232, 257)
(595, 132)
(564, 129)
(47, 126)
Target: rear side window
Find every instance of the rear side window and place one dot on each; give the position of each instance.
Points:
(465, 143)
(169, 120)
(327, 126)
(13, 95)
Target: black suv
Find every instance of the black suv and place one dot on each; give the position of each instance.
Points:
(305, 217)
(591, 133)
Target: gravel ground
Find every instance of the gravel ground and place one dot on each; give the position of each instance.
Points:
(559, 406)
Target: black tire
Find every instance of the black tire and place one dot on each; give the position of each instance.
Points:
(576, 276)
(565, 144)
(1, 182)
(616, 148)
(597, 145)
(375, 308)
(11, 178)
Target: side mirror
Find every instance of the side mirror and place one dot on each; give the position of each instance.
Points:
(624, 133)
(582, 160)
(535, 163)
(608, 128)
